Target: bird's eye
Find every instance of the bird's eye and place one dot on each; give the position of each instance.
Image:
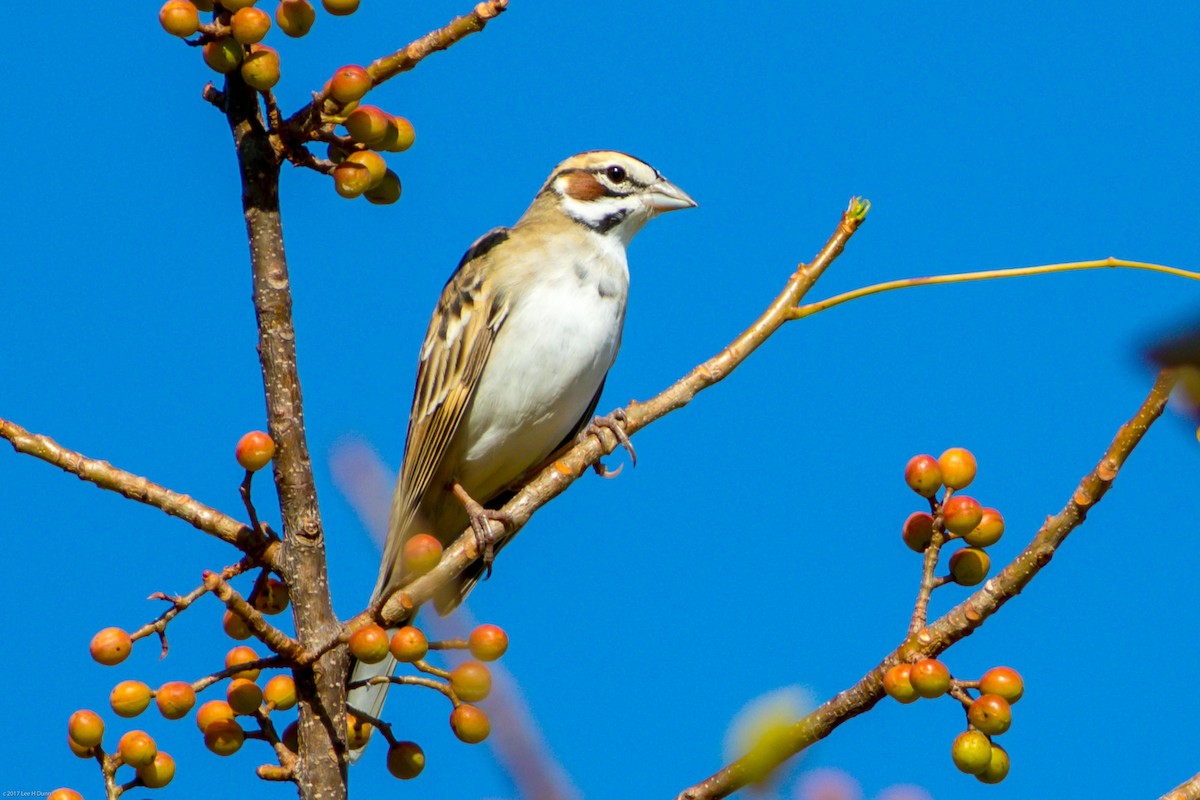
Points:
(615, 174)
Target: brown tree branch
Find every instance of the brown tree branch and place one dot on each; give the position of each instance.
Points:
(272, 637)
(321, 771)
(555, 478)
(104, 475)
(964, 618)
(1188, 790)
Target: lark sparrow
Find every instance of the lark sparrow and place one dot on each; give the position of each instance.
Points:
(516, 355)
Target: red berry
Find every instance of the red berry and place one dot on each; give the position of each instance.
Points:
(295, 17)
(421, 553)
(958, 467)
(470, 724)
(961, 514)
(111, 646)
(85, 728)
(159, 772)
(930, 678)
(1003, 681)
(897, 682)
(254, 451)
(175, 699)
(918, 531)
(349, 83)
(137, 749)
(997, 768)
(405, 760)
(409, 644)
(991, 714)
(488, 642)
(972, 752)
(923, 475)
(179, 18)
(988, 531)
(969, 566)
(130, 698)
(369, 644)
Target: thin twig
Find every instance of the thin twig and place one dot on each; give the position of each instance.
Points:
(135, 487)
(179, 604)
(964, 618)
(1188, 790)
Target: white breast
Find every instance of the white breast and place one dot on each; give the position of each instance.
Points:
(558, 342)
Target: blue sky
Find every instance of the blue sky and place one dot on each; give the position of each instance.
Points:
(756, 544)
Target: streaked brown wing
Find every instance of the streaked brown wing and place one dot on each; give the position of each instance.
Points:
(455, 350)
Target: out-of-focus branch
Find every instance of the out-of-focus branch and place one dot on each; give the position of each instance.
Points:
(104, 475)
(555, 478)
(1188, 790)
(964, 618)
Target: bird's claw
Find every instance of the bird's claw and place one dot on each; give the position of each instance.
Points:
(485, 540)
(615, 423)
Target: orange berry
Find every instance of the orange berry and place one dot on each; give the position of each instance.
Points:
(137, 749)
(250, 25)
(340, 8)
(129, 698)
(1003, 681)
(958, 467)
(918, 531)
(988, 531)
(405, 760)
(358, 732)
(260, 69)
(223, 55)
(85, 728)
(175, 699)
(242, 655)
(471, 681)
(399, 136)
(295, 17)
(64, 794)
(350, 180)
(280, 692)
(179, 18)
(923, 475)
(367, 124)
(421, 553)
(79, 750)
(961, 514)
(273, 599)
(972, 752)
(997, 768)
(470, 724)
(969, 566)
(291, 737)
(488, 642)
(213, 711)
(930, 678)
(387, 192)
(111, 646)
(349, 83)
(224, 737)
(254, 450)
(369, 644)
(372, 162)
(408, 644)
(159, 772)
(235, 626)
(897, 683)
(243, 696)
(990, 714)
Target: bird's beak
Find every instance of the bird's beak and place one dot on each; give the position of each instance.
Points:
(666, 196)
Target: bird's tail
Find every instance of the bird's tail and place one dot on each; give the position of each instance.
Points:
(368, 699)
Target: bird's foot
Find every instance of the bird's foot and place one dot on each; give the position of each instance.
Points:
(615, 423)
(485, 540)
